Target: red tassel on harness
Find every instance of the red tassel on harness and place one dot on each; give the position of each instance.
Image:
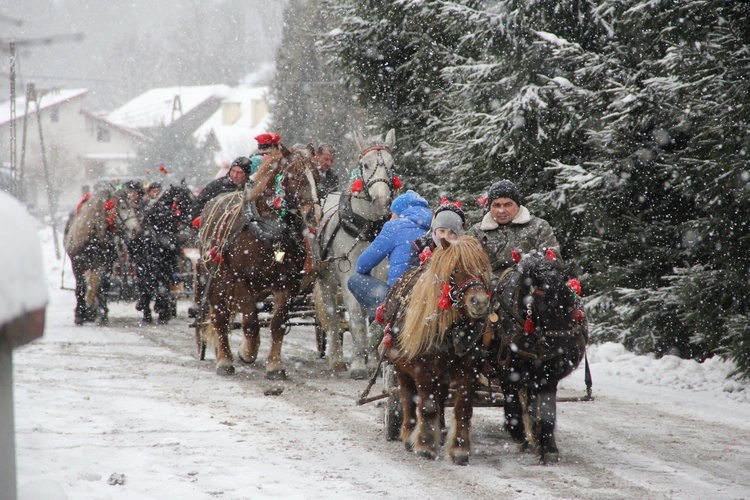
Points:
(445, 297)
(357, 186)
(109, 205)
(84, 199)
(425, 255)
(387, 339)
(529, 326)
(397, 184)
(515, 256)
(278, 202)
(111, 221)
(550, 254)
(215, 255)
(197, 222)
(578, 315)
(380, 314)
(176, 209)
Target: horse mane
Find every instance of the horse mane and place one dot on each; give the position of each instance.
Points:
(538, 271)
(426, 324)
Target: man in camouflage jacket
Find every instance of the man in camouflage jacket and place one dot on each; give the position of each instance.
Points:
(509, 226)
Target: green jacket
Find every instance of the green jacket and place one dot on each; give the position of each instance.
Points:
(524, 233)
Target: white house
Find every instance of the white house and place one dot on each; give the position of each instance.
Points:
(78, 146)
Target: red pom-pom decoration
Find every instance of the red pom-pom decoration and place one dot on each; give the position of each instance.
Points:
(575, 285)
(515, 256)
(278, 202)
(397, 184)
(529, 326)
(109, 205)
(357, 186)
(387, 339)
(197, 222)
(445, 297)
(163, 169)
(482, 201)
(176, 209)
(550, 254)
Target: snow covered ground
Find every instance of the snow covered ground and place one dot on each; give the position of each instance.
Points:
(132, 404)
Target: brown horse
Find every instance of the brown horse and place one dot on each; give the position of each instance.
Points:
(539, 339)
(90, 240)
(438, 324)
(256, 247)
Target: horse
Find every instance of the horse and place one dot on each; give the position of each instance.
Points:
(437, 313)
(351, 221)
(253, 244)
(539, 339)
(156, 253)
(91, 236)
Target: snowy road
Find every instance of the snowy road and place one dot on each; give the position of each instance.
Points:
(93, 401)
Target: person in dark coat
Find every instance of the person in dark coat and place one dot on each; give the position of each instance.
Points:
(329, 179)
(235, 180)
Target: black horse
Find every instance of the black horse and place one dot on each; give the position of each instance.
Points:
(540, 337)
(156, 254)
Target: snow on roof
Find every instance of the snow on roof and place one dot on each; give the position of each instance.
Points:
(236, 139)
(154, 107)
(124, 128)
(48, 99)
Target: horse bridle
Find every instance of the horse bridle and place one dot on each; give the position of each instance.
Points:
(457, 292)
(379, 163)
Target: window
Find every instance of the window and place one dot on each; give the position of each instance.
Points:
(102, 134)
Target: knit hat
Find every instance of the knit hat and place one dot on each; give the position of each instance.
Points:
(448, 219)
(243, 162)
(503, 189)
(407, 200)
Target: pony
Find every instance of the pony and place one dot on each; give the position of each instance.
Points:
(539, 339)
(437, 313)
(156, 253)
(92, 233)
(351, 221)
(253, 244)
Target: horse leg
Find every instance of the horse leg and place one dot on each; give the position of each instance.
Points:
(79, 274)
(221, 317)
(102, 308)
(463, 409)
(329, 299)
(514, 414)
(426, 435)
(408, 394)
(274, 366)
(248, 352)
(162, 302)
(546, 413)
(358, 329)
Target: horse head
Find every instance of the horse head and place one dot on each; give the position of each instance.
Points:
(454, 289)
(125, 211)
(536, 295)
(374, 179)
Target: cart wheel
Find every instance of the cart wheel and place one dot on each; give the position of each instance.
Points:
(320, 340)
(393, 413)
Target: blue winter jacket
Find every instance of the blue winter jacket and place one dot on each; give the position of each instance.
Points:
(394, 242)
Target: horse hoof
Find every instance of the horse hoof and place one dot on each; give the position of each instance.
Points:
(408, 446)
(225, 370)
(550, 457)
(358, 373)
(338, 367)
(462, 459)
(276, 374)
(426, 454)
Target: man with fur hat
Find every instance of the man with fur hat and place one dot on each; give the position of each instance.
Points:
(448, 224)
(235, 180)
(508, 226)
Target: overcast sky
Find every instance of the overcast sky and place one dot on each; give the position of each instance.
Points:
(103, 24)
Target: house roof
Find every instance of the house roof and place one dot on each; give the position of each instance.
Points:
(154, 108)
(236, 139)
(49, 99)
(125, 129)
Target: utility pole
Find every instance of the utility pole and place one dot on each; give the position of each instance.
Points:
(51, 197)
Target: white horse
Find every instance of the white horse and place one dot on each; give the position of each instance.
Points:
(351, 220)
